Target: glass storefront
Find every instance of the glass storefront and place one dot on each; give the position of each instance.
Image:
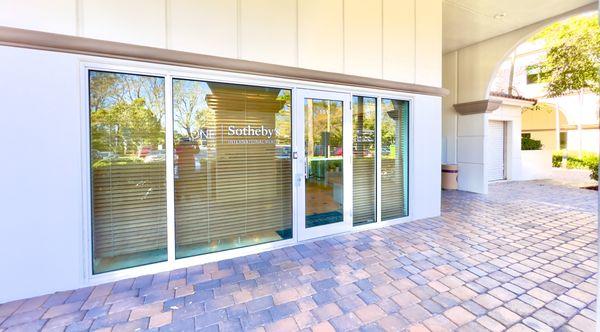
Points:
(233, 175)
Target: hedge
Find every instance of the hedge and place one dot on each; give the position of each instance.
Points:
(530, 144)
(587, 160)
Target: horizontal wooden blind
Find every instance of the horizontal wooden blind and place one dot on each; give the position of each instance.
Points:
(238, 190)
(129, 209)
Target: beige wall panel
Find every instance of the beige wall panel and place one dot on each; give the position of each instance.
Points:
(399, 40)
(321, 35)
(268, 31)
(203, 26)
(59, 16)
(429, 42)
(362, 35)
(140, 22)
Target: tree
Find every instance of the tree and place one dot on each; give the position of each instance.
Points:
(572, 62)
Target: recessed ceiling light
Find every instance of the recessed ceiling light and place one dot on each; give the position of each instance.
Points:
(499, 16)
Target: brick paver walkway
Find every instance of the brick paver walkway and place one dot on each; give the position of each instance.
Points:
(522, 258)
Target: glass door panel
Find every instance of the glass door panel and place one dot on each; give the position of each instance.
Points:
(364, 111)
(323, 171)
(394, 159)
(323, 149)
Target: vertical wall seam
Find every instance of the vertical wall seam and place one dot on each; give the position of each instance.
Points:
(79, 18)
(297, 33)
(238, 28)
(414, 41)
(382, 39)
(344, 36)
(456, 78)
(455, 95)
(168, 24)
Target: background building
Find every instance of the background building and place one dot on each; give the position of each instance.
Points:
(565, 122)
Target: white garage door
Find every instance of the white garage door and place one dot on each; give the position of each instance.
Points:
(495, 151)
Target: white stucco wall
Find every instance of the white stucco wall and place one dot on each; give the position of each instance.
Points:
(42, 196)
(470, 153)
(472, 146)
(392, 39)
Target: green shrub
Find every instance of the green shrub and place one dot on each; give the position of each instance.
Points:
(593, 166)
(530, 144)
(587, 160)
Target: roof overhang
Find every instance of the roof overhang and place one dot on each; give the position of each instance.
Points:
(477, 107)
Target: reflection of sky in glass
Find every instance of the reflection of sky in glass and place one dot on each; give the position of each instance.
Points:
(119, 87)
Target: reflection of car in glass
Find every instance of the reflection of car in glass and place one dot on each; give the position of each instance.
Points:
(338, 152)
(155, 156)
(144, 151)
(283, 151)
(104, 155)
(363, 153)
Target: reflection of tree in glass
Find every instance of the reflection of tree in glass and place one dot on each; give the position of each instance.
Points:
(125, 128)
(107, 89)
(190, 112)
(327, 118)
(283, 119)
(364, 110)
(388, 127)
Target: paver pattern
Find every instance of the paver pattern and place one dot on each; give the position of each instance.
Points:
(522, 258)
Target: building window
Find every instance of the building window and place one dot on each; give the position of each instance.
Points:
(535, 75)
(394, 159)
(129, 210)
(563, 140)
(232, 166)
(364, 110)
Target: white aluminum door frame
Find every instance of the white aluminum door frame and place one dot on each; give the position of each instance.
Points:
(299, 97)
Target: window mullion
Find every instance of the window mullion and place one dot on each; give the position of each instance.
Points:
(170, 168)
(378, 140)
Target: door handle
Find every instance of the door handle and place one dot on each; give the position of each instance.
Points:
(298, 180)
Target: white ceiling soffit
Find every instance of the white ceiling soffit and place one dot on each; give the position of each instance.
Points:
(467, 22)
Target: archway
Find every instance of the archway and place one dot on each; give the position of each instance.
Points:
(563, 126)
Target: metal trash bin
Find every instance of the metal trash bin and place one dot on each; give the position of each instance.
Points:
(449, 176)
